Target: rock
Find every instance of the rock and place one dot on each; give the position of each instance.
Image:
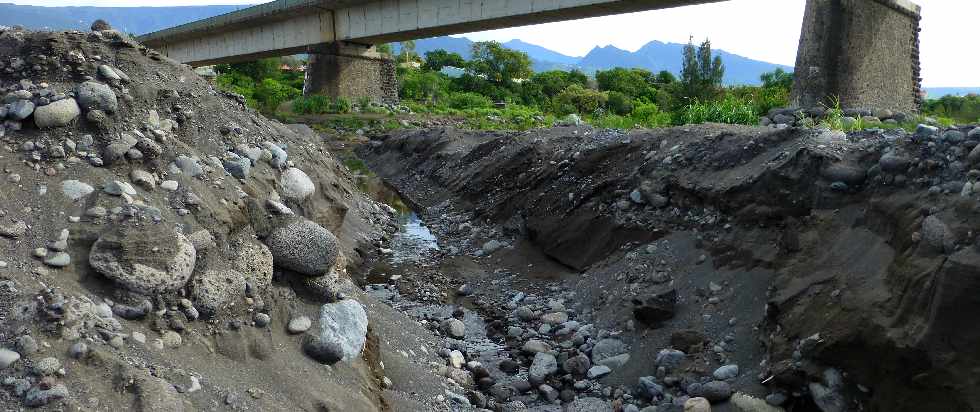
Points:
(577, 365)
(47, 366)
(344, 323)
(171, 339)
(535, 346)
(849, 173)
(893, 163)
(169, 185)
(456, 359)
(279, 156)
(555, 318)
(254, 261)
(78, 350)
(117, 188)
(924, 132)
(726, 372)
(714, 391)
(8, 357)
(58, 260)
(303, 247)
(974, 156)
(74, 189)
(326, 352)
(106, 72)
(237, 166)
(143, 178)
(57, 114)
(937, 235)
(655, 308)
(27, 345)
(544, 365)
(588, 405)
(598, 371)
(189, 166)
(491, 246)
(525, 313)
(145, 262)
(20, 109)
(784, 119)
(697, 405)
(617, 361)
(607, 348)
(295, 185)
(651, 388)
(97, 96)
(212, 290)
(37, 397)
(14, 230)
(261, 320)
(670, 358)
(299, 324)
(974, 134)
(453, 328)
(952, 136)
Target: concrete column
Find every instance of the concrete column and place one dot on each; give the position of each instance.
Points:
(352, 72)
(865, 52)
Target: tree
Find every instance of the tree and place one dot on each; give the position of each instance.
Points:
(435, 60)
(778, 78)
(258, 70)
(407, 53)
(665, 77)
(498, 64)
(701, 74)
(385, 49)
(634, 83)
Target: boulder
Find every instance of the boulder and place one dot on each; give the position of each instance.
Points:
(20, 109)
(303, 247)
(344, 324)
(697, 405)
(215, 289)
(97, 96)
(144, 261)
(544, 365)
(653, 309)
(295, 185)
(74, 189)
(607, 348)
(57, 114)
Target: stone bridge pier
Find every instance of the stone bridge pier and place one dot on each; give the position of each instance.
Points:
(351, 71)
(864, 52)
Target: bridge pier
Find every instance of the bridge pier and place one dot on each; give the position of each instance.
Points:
(865, 52)
(351, 71)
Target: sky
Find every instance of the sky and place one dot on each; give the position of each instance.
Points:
(744, 27)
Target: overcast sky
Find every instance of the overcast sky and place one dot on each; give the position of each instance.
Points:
(766, 30)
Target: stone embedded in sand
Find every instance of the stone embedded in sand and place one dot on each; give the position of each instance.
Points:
(937, 235)
(75, 189)
(303, 247)
(39, 397)
(57, 114)
(214, 289)
(14, 230)
(607, 348)
(158, 395)
(279, 156)
(295, 185)
(697, 405)
(589, 405)
(97, 96)
(454, 328)
(344, 323)
(327, 352)
(299, 324)
(107, 72)
(144, 261)
(655, 308)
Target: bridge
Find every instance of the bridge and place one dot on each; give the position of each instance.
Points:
(864, 52)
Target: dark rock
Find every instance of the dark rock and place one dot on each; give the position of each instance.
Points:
(326, 352)
(656, 308)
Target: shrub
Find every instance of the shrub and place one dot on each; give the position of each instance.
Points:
(619, 103)
(729, 110)
(464, 101)
(649, 115)
(422, 86)
(320, 104)
(271, 93)
(577, 99)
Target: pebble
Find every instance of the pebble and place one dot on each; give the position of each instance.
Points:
(598, 371)
(78, 350)
(262, 320)
(8, 357)
(58, 260)
(299, 324)
(47, 366)
(726, 372)
(171, 339)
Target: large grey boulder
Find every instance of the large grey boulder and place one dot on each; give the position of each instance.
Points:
(74, 189)
(344, 324)
(607, 348)
(20, 109)
(57, 114)
(303, 247)
(144, 261)
(543, 365)
(295, 185)
(97, 96)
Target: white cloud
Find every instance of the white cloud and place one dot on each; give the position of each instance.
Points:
(766, 30)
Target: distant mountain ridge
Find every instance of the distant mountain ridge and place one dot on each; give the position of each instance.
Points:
(135, 20)
(654, 56)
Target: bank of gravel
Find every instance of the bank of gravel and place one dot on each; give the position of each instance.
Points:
(759, 268)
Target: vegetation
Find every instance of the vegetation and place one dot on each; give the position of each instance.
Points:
(498, 90)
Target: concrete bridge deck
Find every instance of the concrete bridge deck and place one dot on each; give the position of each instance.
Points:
(863, 51)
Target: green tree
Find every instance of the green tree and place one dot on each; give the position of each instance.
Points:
(577, 99)
(407, 53)
(619, 103)
(634, 83)
(435, 60)
(778, 78)
(665, 77)
(498, 64)
(701, 74)
(258, 70)
(423, 86)
(385, 49)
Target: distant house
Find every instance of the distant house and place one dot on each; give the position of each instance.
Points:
(411, 65)
(288, 68)
(206, 72)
